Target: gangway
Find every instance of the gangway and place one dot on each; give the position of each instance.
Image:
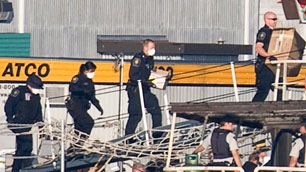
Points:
(278, 169)
(284, 84)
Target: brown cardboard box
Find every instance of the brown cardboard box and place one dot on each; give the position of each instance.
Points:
(286, 44)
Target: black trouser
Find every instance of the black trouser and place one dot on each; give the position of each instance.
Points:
(82, 120)
(134, 109)
(24, 147)
(264, 80)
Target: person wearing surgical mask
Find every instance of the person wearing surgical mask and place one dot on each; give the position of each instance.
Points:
(140, 69)
(23, 106)
(82, 93)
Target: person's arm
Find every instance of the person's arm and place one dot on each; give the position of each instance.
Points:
(206, 143)
(233, 145)
(75, 87)
(96, 103)
(297, 145)
(10, 105)
(39, 114)
(198, 149)
(293, 161)
(261, 51)
(90, 93)
(236, 157)
(135, 72)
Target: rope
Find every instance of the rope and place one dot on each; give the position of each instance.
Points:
(185, 140)
(106, 163)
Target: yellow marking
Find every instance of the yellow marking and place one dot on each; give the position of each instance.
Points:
(64, 70)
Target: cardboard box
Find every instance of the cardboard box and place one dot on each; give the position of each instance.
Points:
(286, 44)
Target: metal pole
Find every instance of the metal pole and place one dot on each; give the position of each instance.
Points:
(284, 81)
(63, 147)
(166, 110)
(120, 96)
(50, 130)
(204, 128)
(246, 35)
(171, 140)
(276, 81)
(120, 127)
(143, 111)
(234, 81)
(21, 16)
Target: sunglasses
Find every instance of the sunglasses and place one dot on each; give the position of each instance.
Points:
(274, 19)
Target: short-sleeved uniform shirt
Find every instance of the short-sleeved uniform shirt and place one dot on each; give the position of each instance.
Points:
(264, 36)
(297, 146)
(230, 139)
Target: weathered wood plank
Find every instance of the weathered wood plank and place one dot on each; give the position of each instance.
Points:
(286, 114)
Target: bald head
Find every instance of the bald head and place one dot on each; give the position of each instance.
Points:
(270, 19)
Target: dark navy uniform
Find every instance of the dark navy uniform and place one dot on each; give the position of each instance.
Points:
(23, 107)
(264, 76)
(222, 143)
(141, 67)
(82, 91)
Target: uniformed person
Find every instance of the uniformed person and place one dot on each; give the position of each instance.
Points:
(82, 92)
(223, 143)
(141, 66)
(261, 149)
(23, 107)
(297, 153)
(252, 163)
(264, 76)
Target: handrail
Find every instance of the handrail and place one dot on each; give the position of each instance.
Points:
(288, 61)
(279, 169)
(202, 168)
(285, 64)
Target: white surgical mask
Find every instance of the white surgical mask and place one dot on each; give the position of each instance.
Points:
(35, 91)
(90, 75)
(151, 52)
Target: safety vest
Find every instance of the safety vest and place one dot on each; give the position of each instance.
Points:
(220, 147)
(302, 151)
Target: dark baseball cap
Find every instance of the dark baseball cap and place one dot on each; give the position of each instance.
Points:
(35, 82)
(229, 118)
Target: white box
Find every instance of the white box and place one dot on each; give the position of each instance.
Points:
(159, 78)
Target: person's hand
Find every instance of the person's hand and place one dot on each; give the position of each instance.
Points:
(272, 58)
(149, 83)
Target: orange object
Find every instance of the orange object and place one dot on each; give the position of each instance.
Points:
(305, 83)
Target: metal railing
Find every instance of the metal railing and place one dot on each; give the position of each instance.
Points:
(204, 168)
(279, 169)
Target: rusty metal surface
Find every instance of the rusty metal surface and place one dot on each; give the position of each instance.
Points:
(285, 114)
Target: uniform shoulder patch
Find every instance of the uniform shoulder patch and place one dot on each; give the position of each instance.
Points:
(15, 92)
(75, 79)
(136, 62)
(261, 36)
